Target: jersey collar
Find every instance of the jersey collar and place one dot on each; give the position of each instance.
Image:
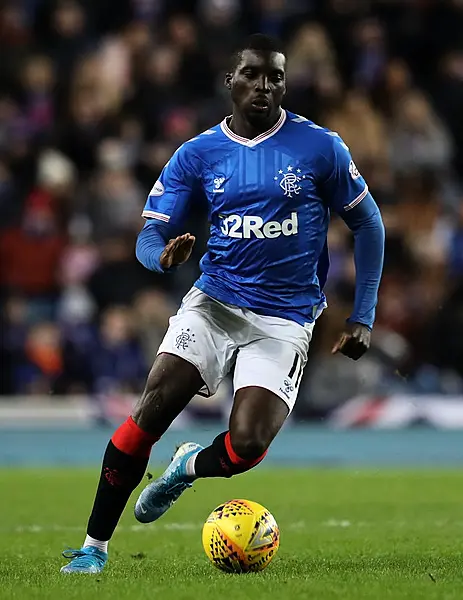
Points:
(257, 140)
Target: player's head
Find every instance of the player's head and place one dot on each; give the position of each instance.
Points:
(257, 78)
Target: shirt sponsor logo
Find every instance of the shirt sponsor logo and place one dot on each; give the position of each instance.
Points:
(246, 227)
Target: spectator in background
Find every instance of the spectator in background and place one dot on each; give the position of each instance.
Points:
(310, 55)
(8, 113)
(159, 88)
(88, 123)
(37, 96)
(30, 255)
(371, 148)
(68, 35)
(448, 94)
(370, 54)
(195, 70)
(14, 328)
(10, 203)
(312, 71)
(275, 17)
(419, 140)
(115, 198)
(119, 277)
(152, 309)
(40, 368)
(221, 26)
(16, 145)
(30, 252)
(395, 85)
(76, 308)
(116, 361)
(15, 37)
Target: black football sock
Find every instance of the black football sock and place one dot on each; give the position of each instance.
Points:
(220, 460)
(120, 475)
(124, 465)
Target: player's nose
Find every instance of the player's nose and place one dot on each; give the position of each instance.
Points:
(262, 84)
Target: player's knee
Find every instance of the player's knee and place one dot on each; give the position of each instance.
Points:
(249, 444)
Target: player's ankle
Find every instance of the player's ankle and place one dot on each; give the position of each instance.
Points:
(190, 468)
(92, 542)
(220, 459)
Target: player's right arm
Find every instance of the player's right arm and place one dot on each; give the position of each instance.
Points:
(159, 245)
(346, 192)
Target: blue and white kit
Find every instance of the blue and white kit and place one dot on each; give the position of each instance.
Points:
(267, 261)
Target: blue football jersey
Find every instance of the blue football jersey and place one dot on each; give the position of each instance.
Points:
(269, 208)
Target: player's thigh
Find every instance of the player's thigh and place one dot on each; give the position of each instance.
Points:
(194, 357)
(273, 364)
(197, 335)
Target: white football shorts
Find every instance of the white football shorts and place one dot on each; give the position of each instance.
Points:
(267, 352)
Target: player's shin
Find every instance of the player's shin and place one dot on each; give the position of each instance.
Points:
(124, 465)
(220, 460)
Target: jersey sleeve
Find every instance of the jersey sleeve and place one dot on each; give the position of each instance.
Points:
(343, 187)
(168, 200)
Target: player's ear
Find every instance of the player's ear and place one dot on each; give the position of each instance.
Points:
(228, 80)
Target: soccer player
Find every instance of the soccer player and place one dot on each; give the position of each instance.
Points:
(271, 178)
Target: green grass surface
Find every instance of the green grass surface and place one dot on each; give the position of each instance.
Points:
(344, 534)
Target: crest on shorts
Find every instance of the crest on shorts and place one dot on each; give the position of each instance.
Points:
(184, 339)
(289, 180)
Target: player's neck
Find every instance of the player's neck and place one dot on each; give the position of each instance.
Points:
(240, 125)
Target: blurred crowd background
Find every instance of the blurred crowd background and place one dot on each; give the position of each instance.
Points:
(95, 95)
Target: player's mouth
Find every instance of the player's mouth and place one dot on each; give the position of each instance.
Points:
(260, 104)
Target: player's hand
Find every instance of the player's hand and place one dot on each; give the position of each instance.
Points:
(354, 341)
(177, 251)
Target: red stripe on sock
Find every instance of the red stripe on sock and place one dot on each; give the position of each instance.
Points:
(132, 440)
(237, 460)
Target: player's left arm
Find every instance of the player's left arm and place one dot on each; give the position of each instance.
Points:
(348, 194)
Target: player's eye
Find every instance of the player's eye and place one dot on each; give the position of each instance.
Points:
(249, 73)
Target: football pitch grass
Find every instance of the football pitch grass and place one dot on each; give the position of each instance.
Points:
(351, 535)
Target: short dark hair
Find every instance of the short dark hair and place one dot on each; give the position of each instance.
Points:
(258, 42)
